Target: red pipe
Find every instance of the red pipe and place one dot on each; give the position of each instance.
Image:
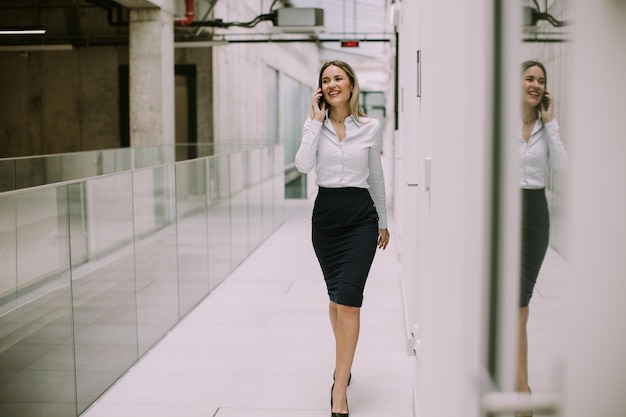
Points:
(189, 15)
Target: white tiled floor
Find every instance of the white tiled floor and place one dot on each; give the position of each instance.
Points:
(261, 344)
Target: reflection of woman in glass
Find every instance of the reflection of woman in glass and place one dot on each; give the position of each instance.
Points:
(541, 151)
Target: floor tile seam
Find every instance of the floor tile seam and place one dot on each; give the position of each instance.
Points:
(295, 410)
(354, 408)
(309, 349)
(182, 406)
(140, 372)
(166, 350)
(209, 328)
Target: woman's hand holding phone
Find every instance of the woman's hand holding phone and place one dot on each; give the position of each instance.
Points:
(319, 105)
(547, 107)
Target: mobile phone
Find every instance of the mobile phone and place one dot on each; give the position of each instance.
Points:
(321, 101)
(545, 102)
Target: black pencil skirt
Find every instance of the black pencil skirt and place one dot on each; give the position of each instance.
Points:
(345, 236)
(535, 238)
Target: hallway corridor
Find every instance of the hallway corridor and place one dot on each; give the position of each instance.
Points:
(261, 345)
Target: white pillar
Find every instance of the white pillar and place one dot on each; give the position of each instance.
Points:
(151, 78)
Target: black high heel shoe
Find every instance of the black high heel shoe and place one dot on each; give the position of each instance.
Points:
(331, 405)
(349, 378)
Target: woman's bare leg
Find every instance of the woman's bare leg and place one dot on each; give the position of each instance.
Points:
(522, 358)
(522, 351)
(346, 322)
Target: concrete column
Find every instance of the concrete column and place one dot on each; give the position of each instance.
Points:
(151, 57)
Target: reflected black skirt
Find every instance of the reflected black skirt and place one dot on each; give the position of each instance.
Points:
(535, 238)
(345, 235)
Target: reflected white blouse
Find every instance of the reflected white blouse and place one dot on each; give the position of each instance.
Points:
(543, 151)
(354, 161)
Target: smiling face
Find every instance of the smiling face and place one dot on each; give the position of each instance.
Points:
(533, 86)
(336, 86)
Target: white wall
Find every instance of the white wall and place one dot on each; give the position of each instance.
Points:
(443, 230)
(596, 335)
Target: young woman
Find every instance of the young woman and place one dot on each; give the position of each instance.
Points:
(349, 216)
(541, 151)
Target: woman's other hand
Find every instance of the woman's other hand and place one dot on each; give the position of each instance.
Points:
(383, 238)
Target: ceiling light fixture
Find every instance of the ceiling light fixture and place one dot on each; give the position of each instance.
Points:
(22, 31)
(49, 47)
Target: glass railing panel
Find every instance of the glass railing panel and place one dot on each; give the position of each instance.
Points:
(37, 374)
(8, 254)
(205, 149)
(238, 207)
(254, 183)
(116, 160)
(219, 219)
(191, 208)
(31, 172)
(105, 308)
(145, 245)
(81, 165)
(156, 262)
(78, 223)
(149, 156)
(7, 175)
(41, 218)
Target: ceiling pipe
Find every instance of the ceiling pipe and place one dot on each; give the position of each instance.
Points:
(189, 14)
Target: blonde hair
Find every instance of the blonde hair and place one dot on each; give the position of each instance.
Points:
(355, 107)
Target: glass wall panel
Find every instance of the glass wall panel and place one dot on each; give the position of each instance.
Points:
(156, 263)
(219, 220)
(238, 208)
(279, 186)
(267, 186)
(255, 199)
(37, 374)
(105, 310)
(8, 255)
(272, 106)
(191, 207)
(291, 126)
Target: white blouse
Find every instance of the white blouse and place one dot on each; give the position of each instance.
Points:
(354, 161)
(543, 151)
